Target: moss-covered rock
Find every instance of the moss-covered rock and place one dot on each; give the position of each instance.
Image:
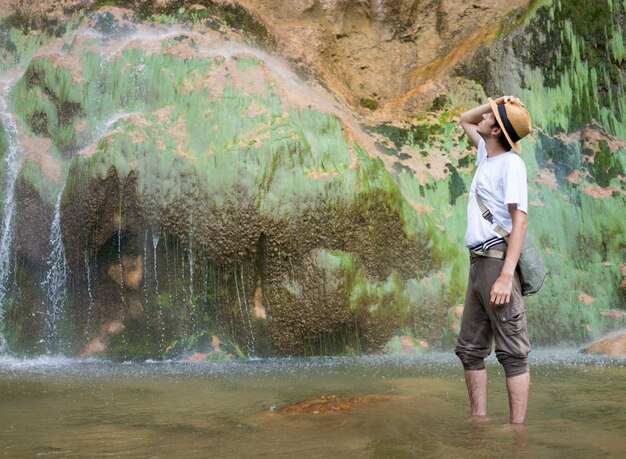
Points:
(565, 59)
(197, 195)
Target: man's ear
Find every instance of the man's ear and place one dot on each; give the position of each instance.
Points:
(496, 130)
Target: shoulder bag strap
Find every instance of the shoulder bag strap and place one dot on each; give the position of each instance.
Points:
(487, 215)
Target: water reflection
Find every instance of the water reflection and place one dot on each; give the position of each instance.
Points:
(87, 408)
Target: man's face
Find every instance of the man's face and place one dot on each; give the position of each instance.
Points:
(487, 125)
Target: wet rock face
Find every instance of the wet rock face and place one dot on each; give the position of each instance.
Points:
(99, 210)
(588, 159)
(577, 49)
(197, 177)
(308, 303)
(32, 225)
(114, 22)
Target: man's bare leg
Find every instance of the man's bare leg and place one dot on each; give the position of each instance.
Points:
(518, 388)
(476, 381)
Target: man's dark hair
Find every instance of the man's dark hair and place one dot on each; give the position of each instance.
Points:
(502, 140)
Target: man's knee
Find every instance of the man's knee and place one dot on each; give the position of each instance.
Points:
(470, 361)
(513, 365)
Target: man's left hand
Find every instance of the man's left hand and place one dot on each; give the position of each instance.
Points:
(501, 290)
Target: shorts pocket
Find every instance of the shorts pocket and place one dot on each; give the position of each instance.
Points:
(512, 318)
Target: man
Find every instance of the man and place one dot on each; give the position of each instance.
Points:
(494, 309)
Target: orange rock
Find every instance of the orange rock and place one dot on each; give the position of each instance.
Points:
(259, 309)
(586, 299)
(197, 357)
(548, 178)
(613, 345)
(215, 342)
(574, 178)
(598, 192)
(613, 314)
(112, 327)
(197, 7)
(421, 208)
(330, 403)
(98, 344)
(128, 273)
(457, 316)
(133, 271)
(410, 346)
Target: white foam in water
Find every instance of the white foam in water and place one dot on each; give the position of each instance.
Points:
(46, 361)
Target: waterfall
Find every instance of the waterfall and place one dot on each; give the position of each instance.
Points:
(56, 277)
(89, 276)
(145, 264)
(13, 161)
(119, 248)
(378, 9)
(244, 309)
(192, 303)
(155, 243)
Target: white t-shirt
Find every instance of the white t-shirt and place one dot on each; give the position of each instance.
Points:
(500, 181)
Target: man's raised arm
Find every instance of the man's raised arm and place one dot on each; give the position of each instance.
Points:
(471, 119)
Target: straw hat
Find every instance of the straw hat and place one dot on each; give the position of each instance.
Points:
(514, 121)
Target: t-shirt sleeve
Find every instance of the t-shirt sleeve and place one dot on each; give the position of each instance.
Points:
(515, 185)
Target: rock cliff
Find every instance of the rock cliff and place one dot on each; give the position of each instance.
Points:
(289, 176)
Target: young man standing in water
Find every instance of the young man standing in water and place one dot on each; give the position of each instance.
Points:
(494, 308)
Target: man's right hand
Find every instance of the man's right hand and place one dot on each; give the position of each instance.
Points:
(505, 99)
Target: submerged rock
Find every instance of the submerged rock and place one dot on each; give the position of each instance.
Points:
(331, 403)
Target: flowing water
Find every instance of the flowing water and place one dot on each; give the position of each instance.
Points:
(13, 161)
(76, 408)
(55, 281)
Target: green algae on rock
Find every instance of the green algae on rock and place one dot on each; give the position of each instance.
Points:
(196, 189)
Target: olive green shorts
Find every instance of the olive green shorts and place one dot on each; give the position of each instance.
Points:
(506, 326)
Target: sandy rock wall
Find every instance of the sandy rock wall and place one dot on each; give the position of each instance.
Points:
(387, 55)
(388, 59)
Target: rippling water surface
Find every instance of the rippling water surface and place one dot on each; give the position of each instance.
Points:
(85, 408)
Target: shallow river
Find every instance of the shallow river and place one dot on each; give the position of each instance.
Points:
(60, 407)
